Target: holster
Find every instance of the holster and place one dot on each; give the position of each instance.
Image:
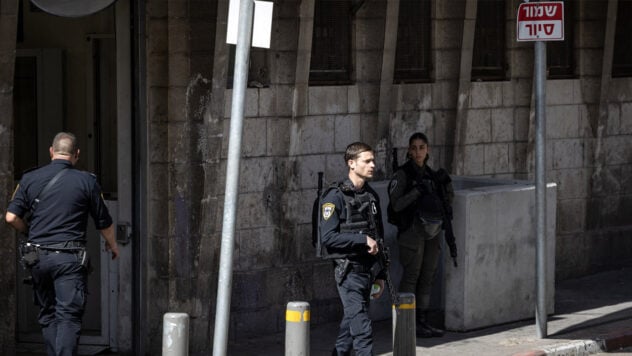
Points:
(29, 255)
(343, 266)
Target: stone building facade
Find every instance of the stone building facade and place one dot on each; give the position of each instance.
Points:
(295, 127)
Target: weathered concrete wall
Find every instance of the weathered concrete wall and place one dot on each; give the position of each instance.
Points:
(8, 28)
(293, 131)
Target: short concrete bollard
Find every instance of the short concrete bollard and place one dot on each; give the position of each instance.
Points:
(297, 329)
(404, 338)
(175, 334)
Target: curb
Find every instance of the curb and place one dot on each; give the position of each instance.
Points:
(610, 343)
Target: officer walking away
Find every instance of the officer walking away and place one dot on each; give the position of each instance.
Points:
(56, 230)
(415, 199)
(350, 241)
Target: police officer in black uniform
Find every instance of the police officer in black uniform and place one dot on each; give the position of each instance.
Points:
(347, 237)
(57, 234)
(413, 194)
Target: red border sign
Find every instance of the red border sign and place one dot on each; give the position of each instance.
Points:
(540, 21)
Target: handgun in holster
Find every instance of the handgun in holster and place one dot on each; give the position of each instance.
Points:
(343, 266)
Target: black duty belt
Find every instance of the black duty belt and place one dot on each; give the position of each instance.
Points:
(62, 246)
(360, 268)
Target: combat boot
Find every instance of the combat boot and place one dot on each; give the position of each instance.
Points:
(425, 330)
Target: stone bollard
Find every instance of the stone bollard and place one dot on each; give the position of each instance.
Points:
(404, 338)
(175, 334)
(297, 329)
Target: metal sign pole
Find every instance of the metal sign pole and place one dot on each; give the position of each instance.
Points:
(540, 186)
(224, 283)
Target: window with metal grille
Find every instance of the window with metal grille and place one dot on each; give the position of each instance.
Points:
(488, 59)
(559, 54)
(331, 43)
(412, 54)
(622, 56)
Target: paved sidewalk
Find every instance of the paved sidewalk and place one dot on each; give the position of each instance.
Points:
(593, 314)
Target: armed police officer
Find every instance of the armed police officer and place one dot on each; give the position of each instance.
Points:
(59, 199)
(416, 199)
(348, 237)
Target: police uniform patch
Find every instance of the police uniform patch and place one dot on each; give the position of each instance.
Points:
(327, 210)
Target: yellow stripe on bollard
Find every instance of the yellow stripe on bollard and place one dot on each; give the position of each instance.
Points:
(404, 306)
(293, 316)
(306, 315)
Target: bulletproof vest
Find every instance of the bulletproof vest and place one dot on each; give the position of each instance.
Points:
(358, 206)
(356, 218)
(429, 205)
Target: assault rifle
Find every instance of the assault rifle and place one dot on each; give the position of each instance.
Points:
(383, 256)
(442, 179)
(316, 217)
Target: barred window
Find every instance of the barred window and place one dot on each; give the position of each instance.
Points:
(622, 56)
(488, 59)
(412, 54)
(560, 61)
(331, 43)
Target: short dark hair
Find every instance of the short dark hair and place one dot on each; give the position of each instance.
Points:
(418, 136)
(354, 150)
(65, 144)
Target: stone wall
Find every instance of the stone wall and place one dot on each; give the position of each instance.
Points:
(292, 131)
(8, 28)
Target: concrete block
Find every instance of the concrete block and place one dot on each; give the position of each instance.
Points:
(327, 100)
(275, 101)
(251, 102)
(285, 33)
(253, 142)
(255, 248)
(568, 153)
(346, 131)
(522, 92)
(478, 126)
(278, 133)
(617, 150)
(450, 10)
(412, 97)
(522, 62)
(496, 158)
(370, 34)
(157, 70)
(283, 68)
(179, 70)
(255, 174)
(406, 123)
(502, 125)
(570, 218)
(308, 168)
(444, 94)
(560, 92)
(625, 127)
(177, 103)
(485, 95)
(590, 65)
(589, 90)
(367, 66)
(314, 135)
(613, 120)
(562, 121)
(573, 183)
(448, 34)
(619, 90)
(494, 225)
(444, 127)
(449, 64)
(474, 161)
(591, 34)
(369, 97)
(252, 211)
(336, 168)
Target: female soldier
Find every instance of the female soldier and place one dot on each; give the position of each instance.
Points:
(414, 197)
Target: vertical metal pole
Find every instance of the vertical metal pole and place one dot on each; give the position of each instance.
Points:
(297, 317)
(175, 334)
(540, 186)
(404, 329)
(224, 283)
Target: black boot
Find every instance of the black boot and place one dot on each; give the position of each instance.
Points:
(424, 329)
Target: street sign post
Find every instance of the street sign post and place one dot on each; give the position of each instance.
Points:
(540, 21)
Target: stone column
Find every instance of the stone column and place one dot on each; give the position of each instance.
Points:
(8, 30)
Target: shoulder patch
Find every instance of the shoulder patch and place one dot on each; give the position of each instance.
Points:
(327, 210)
